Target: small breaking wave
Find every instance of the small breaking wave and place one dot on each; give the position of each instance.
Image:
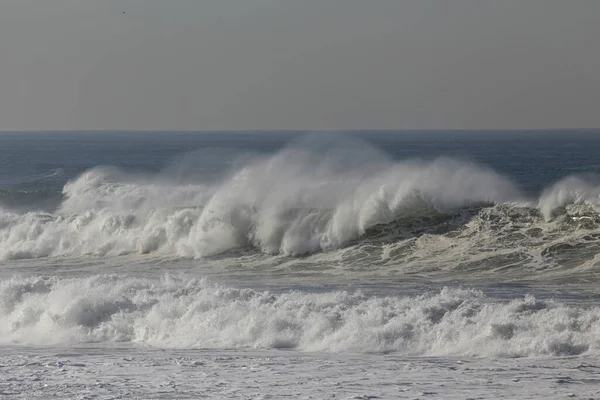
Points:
(178, 313)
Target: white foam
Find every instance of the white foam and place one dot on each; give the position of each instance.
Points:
(175, 312)
(121, 371)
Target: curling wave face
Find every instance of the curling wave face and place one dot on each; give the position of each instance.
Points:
(174, 312)
(305, 200)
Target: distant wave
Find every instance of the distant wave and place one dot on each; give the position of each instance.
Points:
(193, 313)
(300, 201)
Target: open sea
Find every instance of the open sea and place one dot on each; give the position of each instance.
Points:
(270, 265)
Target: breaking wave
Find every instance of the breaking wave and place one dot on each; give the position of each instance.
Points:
(178, 313)
(307, 199)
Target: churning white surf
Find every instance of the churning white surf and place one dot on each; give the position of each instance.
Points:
(173, 312)
(315, 195)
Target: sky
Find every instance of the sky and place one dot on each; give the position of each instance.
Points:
(299, 64)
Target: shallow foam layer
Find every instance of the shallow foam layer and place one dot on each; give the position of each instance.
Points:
(180, 313)
(98, 371)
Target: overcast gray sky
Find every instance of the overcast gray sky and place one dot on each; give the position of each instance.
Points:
(299, 64)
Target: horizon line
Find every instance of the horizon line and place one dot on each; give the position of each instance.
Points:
(294, 130)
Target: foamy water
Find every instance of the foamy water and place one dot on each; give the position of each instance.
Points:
(181, 313)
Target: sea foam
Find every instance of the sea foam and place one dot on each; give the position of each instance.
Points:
(189, 313)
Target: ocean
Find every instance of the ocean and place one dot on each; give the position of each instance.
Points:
(237, 265)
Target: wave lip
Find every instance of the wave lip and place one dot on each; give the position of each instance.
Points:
(172, 313)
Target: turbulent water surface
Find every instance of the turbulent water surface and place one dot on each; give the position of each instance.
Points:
(384, 247)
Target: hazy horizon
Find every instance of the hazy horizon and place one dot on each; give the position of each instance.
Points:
(314, 131)
(330, 65)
